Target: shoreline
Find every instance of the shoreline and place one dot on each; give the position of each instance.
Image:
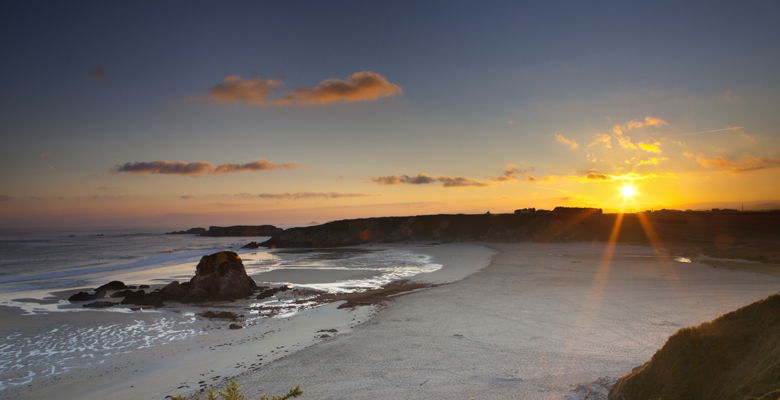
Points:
(210, 358)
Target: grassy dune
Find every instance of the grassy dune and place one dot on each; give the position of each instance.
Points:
(736, 356)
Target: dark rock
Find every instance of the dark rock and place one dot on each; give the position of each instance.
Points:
(219, 276)
(125, 293)
(235, 326)
(100, 304)
(113, 285)
(243, 230)
(220, 315)
(153, 299)
(143, 286)
(84, 296)
(272, 291)
(251, 245)
(191, 231)
(175, 290)
(132, 287)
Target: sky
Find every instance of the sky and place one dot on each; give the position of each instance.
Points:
(186, 113)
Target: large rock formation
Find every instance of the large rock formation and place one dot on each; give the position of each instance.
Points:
(734, 357)
(218, 276)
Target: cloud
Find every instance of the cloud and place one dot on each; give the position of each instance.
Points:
(509, 173)
(651, 161)
(619, 130)
(425, 179)
(197, 167)
(569, 142)
(301, 195)
(233, 88)
(167, 167)
(358, 87)
(597, 176)
(745, 164)
(257, 165)
(602, 138)
(5, 198)
(651, 147)
(186, 197)
(97, 74)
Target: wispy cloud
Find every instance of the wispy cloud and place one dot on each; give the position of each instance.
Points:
(569, 142)
(197, 167)
(425, 179)
(254, 91)
(746, 163)
(257, 165)
(602, 139)
(618, 132)
(301, 195)
(358, 87)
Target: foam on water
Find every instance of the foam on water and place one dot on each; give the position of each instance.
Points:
(24, 356)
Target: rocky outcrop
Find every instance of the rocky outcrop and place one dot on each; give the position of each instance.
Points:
(734, 357)
(266, 291)
(219, 276)
(113, 285)
(243, 230)
(251, 245)
(191, 231)
(99, 293)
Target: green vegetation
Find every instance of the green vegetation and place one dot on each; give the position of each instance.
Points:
(232, 392)
(734, 357)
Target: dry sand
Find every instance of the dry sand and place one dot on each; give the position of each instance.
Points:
(539, 322)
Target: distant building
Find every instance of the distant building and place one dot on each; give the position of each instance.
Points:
(529, 210)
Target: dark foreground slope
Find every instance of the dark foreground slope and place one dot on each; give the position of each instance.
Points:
(750, 235)
(736, 356)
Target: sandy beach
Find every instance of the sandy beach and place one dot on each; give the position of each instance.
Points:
(541, 322)
(526, 321)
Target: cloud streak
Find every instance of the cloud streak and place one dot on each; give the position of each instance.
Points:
(301, 195)
(164, 167)
(425, 179)
(359, 87)
(564, 140)
(747, 163)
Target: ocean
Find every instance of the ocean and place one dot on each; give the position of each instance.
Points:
(38, 270)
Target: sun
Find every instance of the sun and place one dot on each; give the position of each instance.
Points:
(628, 191)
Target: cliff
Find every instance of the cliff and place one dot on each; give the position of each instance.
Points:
(742, 235)
(734, 357)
